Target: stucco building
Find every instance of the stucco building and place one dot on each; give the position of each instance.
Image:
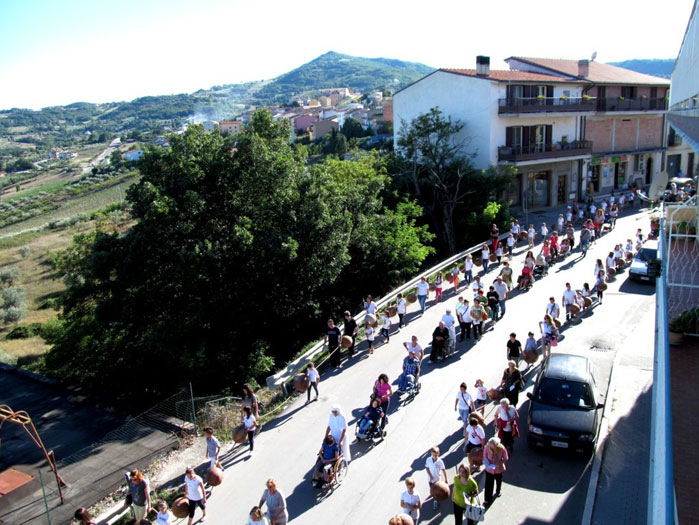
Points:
(571, 128)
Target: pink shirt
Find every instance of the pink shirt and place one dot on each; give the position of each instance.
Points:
(498, 460)
(383, 391)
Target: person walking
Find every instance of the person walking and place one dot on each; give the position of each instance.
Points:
(476, 312)
(423, 289)
(464, 318)
(548, 335)
(510, 245)
(503, 292)
(494, 237)
(493, 299)
(196, 494)
(370, 333)
(485, 257)
(515, 230)
(386, 328)
(463, 404)
(139, 490)
(468, 269)
(249, 423)
(530, 344)
(514, 348)
(276, 503)
(450, 323)
(455, 278)
(314, 378)
(438, 287)
(506, 274)
(434, 466)
(370, 306)
(213, 448)
(337, 428)
(401, 307)
(553, 309)
(481, 396)
(584, 240)
(506, 423)
(474, 435)
(464, 487)
(511, 382)
(494, 458)
(600, 281)
(383, 392)
(531, 234)
(544, 231)
(410, 500)
(568, 301)
(249, 400)
(476, 285)
(350, 330)
(332, 342)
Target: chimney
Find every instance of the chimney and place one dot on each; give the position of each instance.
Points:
(583, 68)
(483, 65)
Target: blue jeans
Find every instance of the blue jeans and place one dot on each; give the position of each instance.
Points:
(364, 425)
(485, 264)
(421, 299)
(468, 276)
(500, 310)
(463, 414)
(403, 382)
(583, 246)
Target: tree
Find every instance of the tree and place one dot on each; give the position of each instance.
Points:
(433, 166)
(116, 159)
(352, 129)
(234, 256)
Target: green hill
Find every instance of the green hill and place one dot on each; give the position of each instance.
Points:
(337, 70)
(658, 67)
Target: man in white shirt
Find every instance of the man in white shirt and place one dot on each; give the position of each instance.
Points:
(503, 293)
(435, 469)
(464, 318)
(568, 300)
(476, 284)
(553, 309)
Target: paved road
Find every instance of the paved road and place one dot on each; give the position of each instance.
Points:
(539, 488)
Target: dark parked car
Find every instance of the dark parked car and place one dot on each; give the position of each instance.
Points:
(564, 412)
(645, 265)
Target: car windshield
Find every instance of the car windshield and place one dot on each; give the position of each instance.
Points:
(647, 254)
(565, 394)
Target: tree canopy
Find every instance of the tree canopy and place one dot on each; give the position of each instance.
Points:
(238, 254)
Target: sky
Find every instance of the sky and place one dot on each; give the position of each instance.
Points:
(57, 52)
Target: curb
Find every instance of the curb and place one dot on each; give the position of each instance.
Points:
(599, 451)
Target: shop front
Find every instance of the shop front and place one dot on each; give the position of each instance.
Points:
(607, 174)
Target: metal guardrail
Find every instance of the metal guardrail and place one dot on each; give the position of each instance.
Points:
(662, 508)
(280, 378)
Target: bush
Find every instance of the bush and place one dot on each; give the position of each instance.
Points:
(13, 314)
(51, 330)
(25, 331)
(9, 276)
(25, 251)
(13, 297)
(8, 359)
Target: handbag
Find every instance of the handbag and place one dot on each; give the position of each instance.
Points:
(475, 512)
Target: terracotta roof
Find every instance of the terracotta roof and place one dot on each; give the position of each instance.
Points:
(507, 75)
(599, 73)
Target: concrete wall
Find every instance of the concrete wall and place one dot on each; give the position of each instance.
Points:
(685, 79)
(624, 133)
(473, 101)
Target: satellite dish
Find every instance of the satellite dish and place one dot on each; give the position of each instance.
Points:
(657, 187)
(594, 55)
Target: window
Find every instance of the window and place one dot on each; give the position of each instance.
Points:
(517, 138)
(565, 394)
(628, 92)
(636, 163)
(540, 138)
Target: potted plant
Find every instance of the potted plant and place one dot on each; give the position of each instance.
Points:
(620, 98)
(586, 98)
(684, 323)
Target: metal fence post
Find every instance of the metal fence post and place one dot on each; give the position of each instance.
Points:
(194, 413)
(46, 503)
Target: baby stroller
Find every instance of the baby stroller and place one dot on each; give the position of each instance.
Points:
(525, 280)
(564, 250)
(541, 268)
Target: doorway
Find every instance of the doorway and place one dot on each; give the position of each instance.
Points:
(538, 191)
(690, 165)
(619, 175)
(649, 170)
(673, 165)
(562, 189)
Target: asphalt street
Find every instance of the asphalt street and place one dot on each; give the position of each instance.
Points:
(538, 487)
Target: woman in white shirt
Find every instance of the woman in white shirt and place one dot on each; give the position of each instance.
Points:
(195, 493)
(474, 435)
(413, 346)
(544, 230)
(423, 290)
(463, 403)
(370, 305)
(249, 422)
(468, 269)
(400, 309)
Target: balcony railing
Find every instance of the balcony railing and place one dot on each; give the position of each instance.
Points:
(631, 104)
(545, 104)
(573, 104)
(544, 151)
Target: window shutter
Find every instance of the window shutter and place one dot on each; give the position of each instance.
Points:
(549, 95)
(549, 133)
(526, 130)
(526, 91)
(508, 136)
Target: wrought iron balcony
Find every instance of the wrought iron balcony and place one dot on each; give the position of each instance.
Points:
(546, 104)
(631, 104)
(544, 151)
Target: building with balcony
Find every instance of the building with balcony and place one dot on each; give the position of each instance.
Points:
(571, 128)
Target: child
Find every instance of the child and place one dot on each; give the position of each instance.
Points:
(314, 377)
(386, 327)
(600, 280)
(256, 517)
(531, 233)
(164, 516)
(481, 396)
(498, 252)
(438, 287)
(249, 422)
(369, 334)
(400, 309)
(213, 448)
(530, 344)
(510, 245)
(455, 277)
(410, 500)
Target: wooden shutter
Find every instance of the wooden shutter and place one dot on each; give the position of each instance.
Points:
(549, 132)
(526, 130)
(508, 136)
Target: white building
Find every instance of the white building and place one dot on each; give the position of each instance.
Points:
(133, 155)
(540, 116)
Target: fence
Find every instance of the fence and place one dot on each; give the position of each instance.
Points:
(661, 488)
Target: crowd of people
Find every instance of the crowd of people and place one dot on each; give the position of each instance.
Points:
(469, 316)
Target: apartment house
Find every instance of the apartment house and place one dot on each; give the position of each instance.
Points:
(571, 128)
(230, 126)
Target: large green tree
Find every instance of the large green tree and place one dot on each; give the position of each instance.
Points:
(433, 166)
(238, 253)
